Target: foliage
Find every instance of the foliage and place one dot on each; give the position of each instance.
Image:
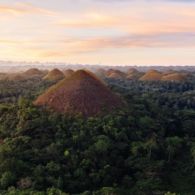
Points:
(146, 148)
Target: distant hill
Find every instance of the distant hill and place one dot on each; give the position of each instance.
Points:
(17, 77)
(81, 93)
(151, 75)
(133, 74)
(68, 72)
(115, 74)
(54, 75)
(175, 77)
(3, 76)
(28, 74)
(100, 72)
(33, 72)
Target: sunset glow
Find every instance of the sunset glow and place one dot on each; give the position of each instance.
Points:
(98, 31)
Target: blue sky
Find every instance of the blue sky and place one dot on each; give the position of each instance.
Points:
(99, 31)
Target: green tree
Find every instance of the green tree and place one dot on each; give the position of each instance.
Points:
(102, 144)
(193, 152)
(173, 144)
(138, 148)
(151, 144)
(7, 179)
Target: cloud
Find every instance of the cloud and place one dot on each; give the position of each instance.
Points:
(7, 41)
(134, 19)
(77, 47)
(116, 49)
(130, 1)
(23, 8)
(23, 42)
(92, 29)
(89, 20)
(132, 41)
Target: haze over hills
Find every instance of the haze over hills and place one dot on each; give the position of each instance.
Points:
(28, 74)
(11, 66)
(103, 73)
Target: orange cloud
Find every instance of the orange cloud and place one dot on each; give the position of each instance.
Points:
(135, 19)
(94, 30)
(75, 47)
(152, 40)
(6, 41)
(23, 8)
(90, 20)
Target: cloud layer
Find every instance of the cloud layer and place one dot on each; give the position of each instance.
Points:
(82, 33)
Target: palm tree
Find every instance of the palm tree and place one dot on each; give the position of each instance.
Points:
(173, 144)
(151, 144)
(193, 152)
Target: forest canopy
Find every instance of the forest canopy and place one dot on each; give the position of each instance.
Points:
(148, 147)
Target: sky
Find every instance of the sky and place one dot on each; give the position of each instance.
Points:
(110, 32)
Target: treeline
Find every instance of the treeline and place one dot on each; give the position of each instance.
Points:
(179, 95)
(10, 91)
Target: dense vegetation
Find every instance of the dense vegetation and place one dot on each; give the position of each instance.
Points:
(146, 148)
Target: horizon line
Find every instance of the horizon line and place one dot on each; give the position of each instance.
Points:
(22, 62)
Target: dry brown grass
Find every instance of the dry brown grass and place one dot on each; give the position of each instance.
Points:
(81, 93)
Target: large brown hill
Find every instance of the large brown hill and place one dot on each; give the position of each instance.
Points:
(81, 93)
